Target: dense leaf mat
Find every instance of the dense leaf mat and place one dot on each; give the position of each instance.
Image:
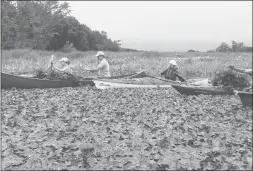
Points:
(84, 128)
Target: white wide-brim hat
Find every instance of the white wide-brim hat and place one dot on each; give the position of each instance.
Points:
(64, 59)
(100, 53)
(173, 62)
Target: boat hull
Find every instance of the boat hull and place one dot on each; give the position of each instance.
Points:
(90, 81)
(195, 90)
(144, 82)
(10, 81)
(139, 81)
(27, 81)
(246, 98)
(106, 85)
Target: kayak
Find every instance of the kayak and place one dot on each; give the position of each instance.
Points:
(196, 90)
(28, 81)
(143, 82)
(9, 81)
(138, 74)
(246, 98)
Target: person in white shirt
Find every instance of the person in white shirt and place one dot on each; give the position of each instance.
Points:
(65, 66)
(103, 67)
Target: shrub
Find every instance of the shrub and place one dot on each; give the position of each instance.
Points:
(68, 47)
(231, 80)
(188, 61)
(192, 50)
(224, 47)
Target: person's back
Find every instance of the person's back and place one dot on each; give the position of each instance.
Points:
(170, 74)
(242, 70)
(246, 71)
(104, 68)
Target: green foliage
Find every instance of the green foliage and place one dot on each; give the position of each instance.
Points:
(68, 47)
(188, 61)
(47, 25)
(235, 47)
(231, 80)
(140, 129)
(40, 74)
(131, 129)
(224, 47)
(192, 50)
(27, 60)
(8, 24)
(52, 75)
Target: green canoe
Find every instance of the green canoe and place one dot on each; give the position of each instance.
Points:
(26, 82)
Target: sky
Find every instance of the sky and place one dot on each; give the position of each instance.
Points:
(168, 25)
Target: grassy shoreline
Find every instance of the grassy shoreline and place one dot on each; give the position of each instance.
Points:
(196, 64)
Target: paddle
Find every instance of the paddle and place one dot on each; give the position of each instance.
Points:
(165, 80)
(51, 66)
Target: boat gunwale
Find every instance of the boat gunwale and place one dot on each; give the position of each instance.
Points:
(182, 89)
(35, 79)
(244, 93)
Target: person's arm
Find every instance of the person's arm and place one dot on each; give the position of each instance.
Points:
(179, 76)
(101, 65)
(162, 73)
(56, 68)
(91, 70)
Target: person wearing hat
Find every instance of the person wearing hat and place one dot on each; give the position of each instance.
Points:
(241, 70)
(171, 72)
(103, 67)
(65, 66)
(246, 71)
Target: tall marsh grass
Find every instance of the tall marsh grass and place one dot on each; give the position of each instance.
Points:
(197, 64)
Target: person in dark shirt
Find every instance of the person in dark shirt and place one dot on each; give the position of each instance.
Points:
(172, 73)
(246, 71)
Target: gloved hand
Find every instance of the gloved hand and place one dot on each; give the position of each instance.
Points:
(231, 67)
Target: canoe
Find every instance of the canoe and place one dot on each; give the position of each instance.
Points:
(138, 74)
(144, 82)
(135, 74)
(10, 81)
(196, 90)
(27, 81)
(246, 98)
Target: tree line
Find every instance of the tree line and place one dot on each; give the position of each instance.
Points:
(235, 47)
(224, 47)
(48, 25)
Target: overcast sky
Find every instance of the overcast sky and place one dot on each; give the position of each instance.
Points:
(168, 25)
